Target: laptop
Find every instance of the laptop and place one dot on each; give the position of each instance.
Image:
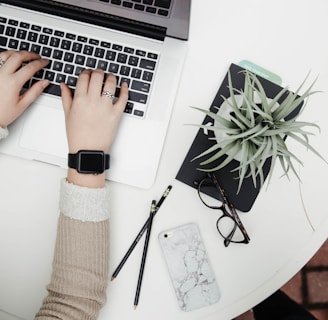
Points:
(143, 42)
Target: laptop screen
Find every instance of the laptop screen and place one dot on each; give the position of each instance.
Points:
(149, 18)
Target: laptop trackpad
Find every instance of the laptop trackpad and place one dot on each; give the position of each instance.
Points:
(44, 131)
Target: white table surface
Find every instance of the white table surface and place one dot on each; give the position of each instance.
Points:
(287, 224)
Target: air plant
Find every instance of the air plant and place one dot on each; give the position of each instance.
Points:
(257, 128)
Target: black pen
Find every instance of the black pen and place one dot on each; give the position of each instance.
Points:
(144, 253)
(141, 232)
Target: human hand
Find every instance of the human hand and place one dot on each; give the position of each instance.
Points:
(91, 119)
(12, 79)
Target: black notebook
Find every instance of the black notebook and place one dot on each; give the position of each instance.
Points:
(189, 171)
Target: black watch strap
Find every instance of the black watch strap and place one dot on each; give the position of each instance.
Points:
(89, 161)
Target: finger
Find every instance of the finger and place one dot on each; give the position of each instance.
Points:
(67, 98)
(123, 97)
(32, 93)
(110, 84)
(6, 54)
(26, 72)
(82, 84)
(14, 59)
(96, 82)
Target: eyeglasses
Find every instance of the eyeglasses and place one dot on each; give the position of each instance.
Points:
(229, 224)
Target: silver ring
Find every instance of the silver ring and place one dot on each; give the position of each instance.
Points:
(108, 94)
(2, 62)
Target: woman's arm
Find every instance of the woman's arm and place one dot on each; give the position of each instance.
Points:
(80, 268)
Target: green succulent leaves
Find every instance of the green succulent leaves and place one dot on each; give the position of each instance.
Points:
(257, 129)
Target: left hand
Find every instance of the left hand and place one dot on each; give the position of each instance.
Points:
(12, 79)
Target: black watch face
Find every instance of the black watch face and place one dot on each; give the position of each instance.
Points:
(91, 162)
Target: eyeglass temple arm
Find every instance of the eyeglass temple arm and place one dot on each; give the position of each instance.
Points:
(231, 207)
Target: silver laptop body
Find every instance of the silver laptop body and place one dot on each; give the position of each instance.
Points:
(152, 34)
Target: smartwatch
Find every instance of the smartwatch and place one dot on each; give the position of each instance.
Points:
(89, 161)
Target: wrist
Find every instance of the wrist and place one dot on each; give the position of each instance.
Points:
(85, 180)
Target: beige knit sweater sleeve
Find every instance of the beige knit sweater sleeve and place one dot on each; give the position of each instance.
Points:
(77, 290)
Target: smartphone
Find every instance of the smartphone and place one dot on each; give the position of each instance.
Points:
(191, 274)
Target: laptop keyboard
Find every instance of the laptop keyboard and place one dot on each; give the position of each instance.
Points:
(71, 53)
(153, 7)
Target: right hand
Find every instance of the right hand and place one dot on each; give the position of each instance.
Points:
(91, 118)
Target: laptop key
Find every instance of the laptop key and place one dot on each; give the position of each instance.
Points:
(140, 86)
(88, 50)
(49, 75)
(43, 39)
(77, 47)
(13, 22)
(113, 67)
(57, 66)
(68, 68)
(127, 4)
(24, 46)
(21, 34)
(58, 54)
(125, 71)
(99, 53)
(60, 78)
(102, 65)
(128, 107)
(71, 81)
(138, 97)
(54, 42)
(3, 41)
(151, 10)
(78, 70)
(136, 73)
(91, 62)
(59, 33)
(46, 52)
(36, 28)
(147, 76)
(10, 31)
(13, 44)
(32, 36)
(68, 57)
(79, 60)
(139, 7)
(121, 58)
(47, 30)
(163, 3)
(147, 64)
(163, 13)
(36, 48)
(53, 89)
(133, 61)
(110, 55)
(66, 44)
(138, 113)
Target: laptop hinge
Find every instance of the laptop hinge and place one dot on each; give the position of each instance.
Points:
(92, 17)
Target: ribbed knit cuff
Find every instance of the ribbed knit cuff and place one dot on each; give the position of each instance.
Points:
(3, 133)
(85, 204)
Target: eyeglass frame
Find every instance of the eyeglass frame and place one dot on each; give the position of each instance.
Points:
(225, 213)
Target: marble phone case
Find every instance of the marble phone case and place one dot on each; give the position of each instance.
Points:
(191, 274)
